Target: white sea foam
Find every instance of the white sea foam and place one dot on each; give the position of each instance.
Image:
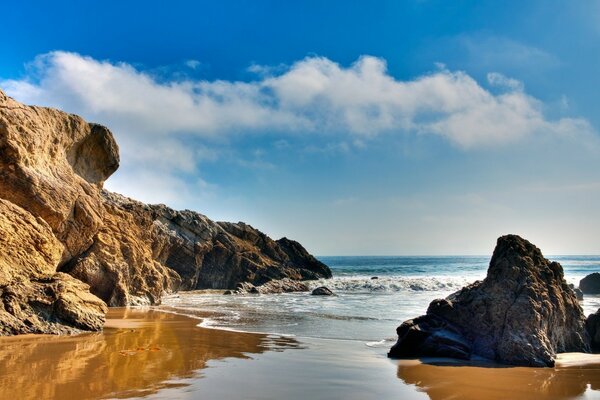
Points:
(394, 283)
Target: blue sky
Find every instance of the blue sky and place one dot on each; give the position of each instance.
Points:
(401, 127)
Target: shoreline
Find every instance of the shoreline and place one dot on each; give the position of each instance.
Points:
(159, 353)
(138, 353)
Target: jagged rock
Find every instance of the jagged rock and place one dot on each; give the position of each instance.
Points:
(53, 304)
(46, 163)
(592, 325)
(578, 292)
(245, 288)
(590, 284)
(52, 169)
(33, 297)
(322, 291)
(285, 285)
(522, 313)
(276, 286)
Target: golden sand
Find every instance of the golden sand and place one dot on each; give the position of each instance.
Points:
(138, 353)
(575, 374)
(153, 353)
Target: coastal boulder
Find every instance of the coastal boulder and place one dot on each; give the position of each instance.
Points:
(590, 284)
(322, 291)
(578, 292)
(33, 297)
(592, 324)
(275, 286)
(522, 313)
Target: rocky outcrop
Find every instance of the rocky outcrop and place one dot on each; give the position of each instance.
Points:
(590, 284)
(276, 286)
(522, 313)
(144, 250)
(577, 291)
(34, 298)
(58, 223)
(322, 291)
(592, 325)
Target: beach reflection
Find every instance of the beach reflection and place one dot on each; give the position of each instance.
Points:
(469, 382)
(140, 354)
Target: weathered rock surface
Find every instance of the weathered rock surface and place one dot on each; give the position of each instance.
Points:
(285, 285)
(522, 313)
(590, 284)
(322, 291)
(592, 325)
(56, 219)
(578, 292)
(33, 297)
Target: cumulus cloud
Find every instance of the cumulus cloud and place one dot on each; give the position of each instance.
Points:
(313, 95)
(154, 118)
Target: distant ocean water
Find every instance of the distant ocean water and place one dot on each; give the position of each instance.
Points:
(374, 295)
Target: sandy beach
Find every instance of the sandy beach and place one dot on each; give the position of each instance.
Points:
(137, 354)
(162, 355)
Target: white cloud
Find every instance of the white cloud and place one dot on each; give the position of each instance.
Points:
(154, 119)
(314, 95)
(499, 80)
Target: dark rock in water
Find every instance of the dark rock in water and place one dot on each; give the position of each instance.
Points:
(374, 277)
(322, 291)
(228, 292)
(522, 313)
(592, 325)
(590, 284)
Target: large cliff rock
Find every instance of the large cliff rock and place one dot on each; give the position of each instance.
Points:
(522, 313)
(57, 224)
(34, 298)
(144, 250)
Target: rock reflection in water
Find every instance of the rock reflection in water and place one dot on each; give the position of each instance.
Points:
(444, 381)
(127, 360)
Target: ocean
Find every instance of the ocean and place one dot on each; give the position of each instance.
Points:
(373, 296)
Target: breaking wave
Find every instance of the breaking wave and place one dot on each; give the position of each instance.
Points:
(394, 284)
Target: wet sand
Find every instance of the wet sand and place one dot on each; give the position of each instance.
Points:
(575, 376)
(139, 353)
(153, 354)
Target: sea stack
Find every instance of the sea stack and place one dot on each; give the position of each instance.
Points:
(523, 313)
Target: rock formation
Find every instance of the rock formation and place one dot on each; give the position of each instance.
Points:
(57, 224)
(276, 286)
(578, 292)
(322, 291)
(592, 324)
(522, 313)
(590, 284)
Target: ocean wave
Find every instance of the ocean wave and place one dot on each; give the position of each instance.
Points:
(394, 283)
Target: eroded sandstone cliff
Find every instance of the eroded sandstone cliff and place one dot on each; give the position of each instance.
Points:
(57, 223)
